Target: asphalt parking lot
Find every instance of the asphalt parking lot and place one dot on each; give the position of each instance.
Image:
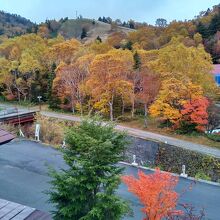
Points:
(24, 179)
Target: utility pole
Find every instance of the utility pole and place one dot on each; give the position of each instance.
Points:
(76, 14)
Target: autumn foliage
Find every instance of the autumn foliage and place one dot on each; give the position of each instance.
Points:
(156, 193)
(195, 112)
(96, 77)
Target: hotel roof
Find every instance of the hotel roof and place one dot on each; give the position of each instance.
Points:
(216, 69)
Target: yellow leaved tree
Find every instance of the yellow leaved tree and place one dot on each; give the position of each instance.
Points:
(108, 78)
(172, 96)
(192, 63)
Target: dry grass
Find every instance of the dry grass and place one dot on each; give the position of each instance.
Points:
(10, 128)
(51, 130)
(153, 127)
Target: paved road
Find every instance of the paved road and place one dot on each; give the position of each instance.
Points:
(24, 177)
(150, 136)
(142, 134)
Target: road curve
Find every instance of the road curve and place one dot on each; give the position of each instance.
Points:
(24, 179)
(149, 136)
(141, 134)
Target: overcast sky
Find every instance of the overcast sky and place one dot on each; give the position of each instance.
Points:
(139, 10)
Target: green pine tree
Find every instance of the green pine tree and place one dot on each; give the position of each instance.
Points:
(99, 39)
(84, 33)
(51, 77)
(137, 61)
(53, 100)
(86, 191)
(128, 45)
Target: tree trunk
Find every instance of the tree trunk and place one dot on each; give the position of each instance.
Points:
(81, 108)
(145, 115)
(123, 107)
(73, 108)
(111, 111)
(72, 103)
(90, 111)
(111, 108)
(133, 108)
(19, 97)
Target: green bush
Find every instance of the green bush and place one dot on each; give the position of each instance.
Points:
(186, 128)
(214, 137)
(139, 112)
(165, 124)
(172, 158)
(27, 103)
(203, 176)
(124, 118)
(2, 98)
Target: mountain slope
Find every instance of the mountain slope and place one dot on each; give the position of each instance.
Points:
(104, 30)
(208, 25)
(12, 24)
(72, 28)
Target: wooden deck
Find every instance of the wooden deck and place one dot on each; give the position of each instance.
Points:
(14, 211)
(5, 136)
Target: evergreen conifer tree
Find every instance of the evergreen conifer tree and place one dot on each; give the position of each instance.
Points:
(86, 190)
(137, 61)
(99, 39)
(51, 77)
(53, 100)
(84, 33)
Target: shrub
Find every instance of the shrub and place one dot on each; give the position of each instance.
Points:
(202, 175)
(165, 124)
(124, 118)
(172, 158)
(139, 112)
(186, 128)
(214, 137)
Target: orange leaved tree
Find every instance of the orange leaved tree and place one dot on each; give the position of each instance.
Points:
(156, 192)
(195, 112)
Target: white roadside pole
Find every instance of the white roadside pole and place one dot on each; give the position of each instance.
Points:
(64, 144)
(134, 163)
(183, 174)
(37, 132)
(39, 99)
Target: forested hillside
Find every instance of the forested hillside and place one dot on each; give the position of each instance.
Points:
(163, 71)
(12, 25)
(204, 28)
(208, 25)
(173, 83)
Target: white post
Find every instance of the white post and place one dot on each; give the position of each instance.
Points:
(21, 133)
(64, 144)
(37, 132)
(134, 163)
(183, 174)
(39, 99)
